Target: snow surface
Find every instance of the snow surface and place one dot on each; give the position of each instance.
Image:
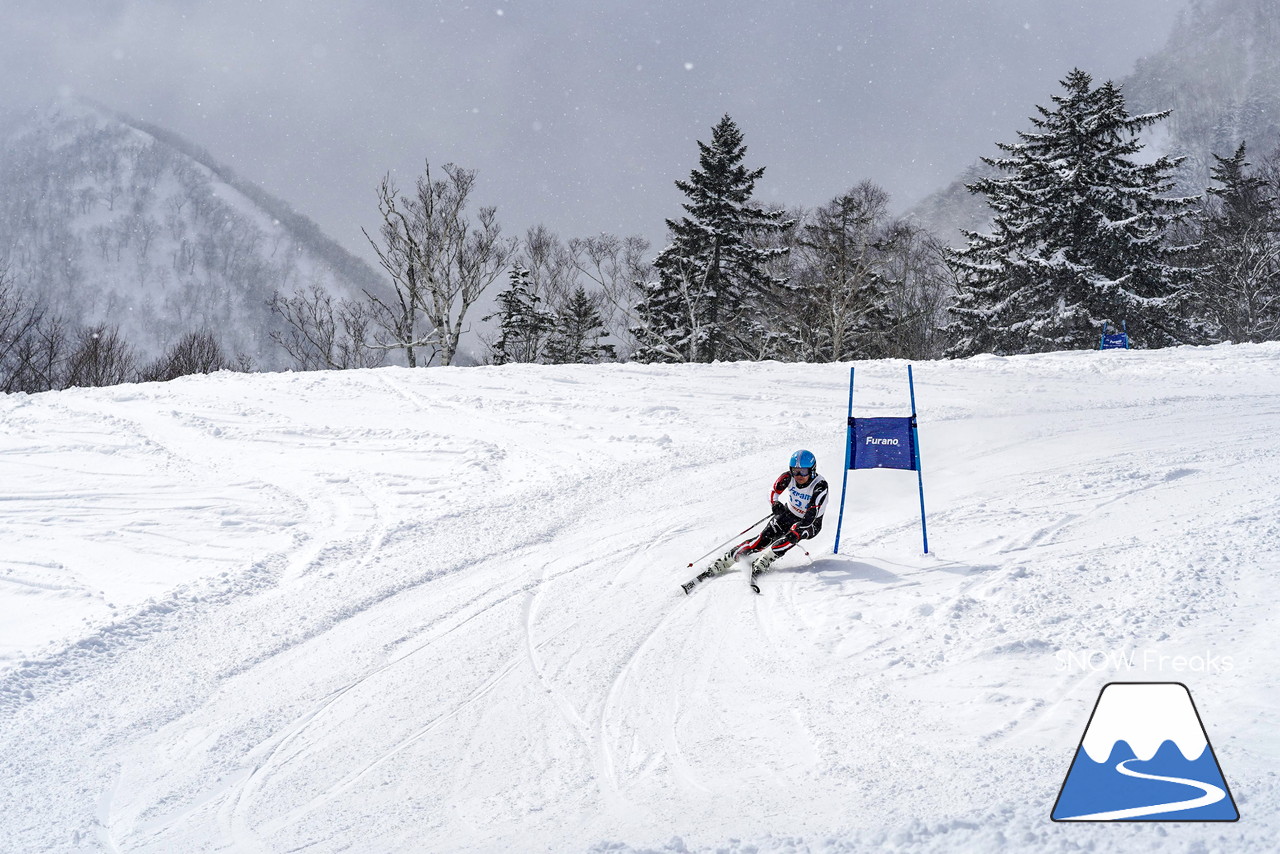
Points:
(438, 609)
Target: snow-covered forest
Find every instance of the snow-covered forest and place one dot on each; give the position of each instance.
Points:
(1086, 232)
(129, 253)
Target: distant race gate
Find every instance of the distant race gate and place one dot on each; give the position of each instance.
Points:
(1116, 340)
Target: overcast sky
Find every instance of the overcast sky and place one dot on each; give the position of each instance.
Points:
(577, 113)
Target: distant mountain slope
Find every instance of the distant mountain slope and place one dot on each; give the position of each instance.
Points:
(1220, 74)
(116, 221)
(953, 208)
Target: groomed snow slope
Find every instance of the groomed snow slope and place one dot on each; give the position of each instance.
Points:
(438, 610)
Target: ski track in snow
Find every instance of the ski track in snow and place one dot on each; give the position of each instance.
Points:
(440, 609)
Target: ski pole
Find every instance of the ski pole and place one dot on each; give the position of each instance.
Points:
(730, 540)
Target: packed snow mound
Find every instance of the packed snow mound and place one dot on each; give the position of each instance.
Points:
(439, 609)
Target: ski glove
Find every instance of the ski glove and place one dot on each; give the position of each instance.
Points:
(786, 541)
(779, 508)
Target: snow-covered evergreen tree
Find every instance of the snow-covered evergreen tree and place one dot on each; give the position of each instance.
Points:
(1080, 235)
(702, 306)
(577, 331)
(778, 315)
(1238, 289)
(522, 324)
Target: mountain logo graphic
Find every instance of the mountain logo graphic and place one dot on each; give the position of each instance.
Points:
(1145, 756)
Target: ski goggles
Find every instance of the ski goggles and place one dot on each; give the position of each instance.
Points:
(801, 471)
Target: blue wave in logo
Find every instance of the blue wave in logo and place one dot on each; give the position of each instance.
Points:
(1166, 787)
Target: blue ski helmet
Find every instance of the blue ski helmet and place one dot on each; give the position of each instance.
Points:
(804, 460)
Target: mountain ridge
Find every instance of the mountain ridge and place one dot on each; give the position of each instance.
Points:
(107, 219)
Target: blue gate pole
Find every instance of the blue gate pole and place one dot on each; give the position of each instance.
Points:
(1101, 339)
(915, 441)
(848, 461)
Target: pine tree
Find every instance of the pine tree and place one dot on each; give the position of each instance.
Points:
(522, 325)
(1080, 235)
(778, 317)
(1238, 289)
(710, 276)
(577, 332)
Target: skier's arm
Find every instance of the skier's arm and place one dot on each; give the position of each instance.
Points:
(779, 486)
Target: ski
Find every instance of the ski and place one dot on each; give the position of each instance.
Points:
(749, 570)
(688, 586)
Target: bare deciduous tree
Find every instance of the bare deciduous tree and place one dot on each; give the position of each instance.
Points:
(552, 267)
(193, 353)
(320, 335)
(33, 342)
(618, 266)
(401, 257)
(101, 358)
(17, 315)
(440, 262)
(921, 287)
(20, 317)
(45, 355)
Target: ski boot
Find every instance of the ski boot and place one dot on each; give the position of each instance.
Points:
(721, 564)
(760, 565)
(718, 566)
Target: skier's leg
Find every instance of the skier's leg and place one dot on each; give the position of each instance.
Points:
(776, 528)
(776, 549)
(783, 544)
(748, 547)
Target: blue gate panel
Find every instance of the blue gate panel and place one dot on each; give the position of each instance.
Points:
(882, 443)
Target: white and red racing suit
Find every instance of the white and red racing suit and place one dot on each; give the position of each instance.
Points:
(797, 515)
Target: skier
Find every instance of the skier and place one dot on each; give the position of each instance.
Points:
(798, 499)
